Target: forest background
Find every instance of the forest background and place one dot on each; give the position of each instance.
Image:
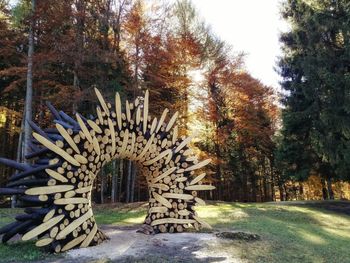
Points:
(265, 145)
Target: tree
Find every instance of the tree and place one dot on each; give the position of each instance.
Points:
(29, 91)
(315, 72)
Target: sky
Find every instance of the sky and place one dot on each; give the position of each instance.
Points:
(251, 26)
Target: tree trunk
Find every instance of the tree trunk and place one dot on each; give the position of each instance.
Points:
(29, 91)
(128, 183)
(329, 188)
(324, 189)
(102, 174)
(114, 182)
(19, 157)
(121, 179)
(133, 179)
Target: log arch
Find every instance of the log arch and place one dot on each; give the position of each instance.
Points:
(67, 158)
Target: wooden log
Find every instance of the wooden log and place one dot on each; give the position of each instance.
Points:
(175, 133)
(157, 209)
(138, 116)
(118, 110)
(127, 110)
(198, 165)
(68, 119)
(197, 179)
(102, 102)
(44, 242)
(200, 187)
(172, 221)
(74, 200)
(172, 121)
(99, 115)
(202, 222)
(37, 129)
(56, 176)
(48, 189)
(179, 228)
(74, 225)
(89, 237)
(153, 126)
(158, 157)
(14, 164)
(42, 228)
(145, 112)
(161, 120)
(55, 149)
(94, 126)
(53, 111)
(11, 191)
(111, 128)
(178, 196)
(96, 145)
(183, 143)
(83, 127)
(67, 137)
(163, 175)
(146, 148)
(162, 200)
(184, 212)
(163, 187)
(22, 226)
(74, 242)
(80, 158)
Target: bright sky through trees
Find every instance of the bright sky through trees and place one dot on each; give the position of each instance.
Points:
(251, 26)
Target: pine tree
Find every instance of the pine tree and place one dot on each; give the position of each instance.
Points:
(315, 69)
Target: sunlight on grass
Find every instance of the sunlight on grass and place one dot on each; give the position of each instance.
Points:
(289, 233)
(306, 235)
(135, 220)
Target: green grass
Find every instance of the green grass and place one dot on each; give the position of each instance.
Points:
(289, 233)
(120, 215)
(18, 251)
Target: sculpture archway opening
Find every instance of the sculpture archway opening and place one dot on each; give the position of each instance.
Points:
(67, 158)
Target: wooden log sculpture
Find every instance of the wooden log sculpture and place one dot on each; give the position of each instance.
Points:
(56, 187)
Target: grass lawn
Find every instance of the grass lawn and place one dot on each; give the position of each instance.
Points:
(289, 233)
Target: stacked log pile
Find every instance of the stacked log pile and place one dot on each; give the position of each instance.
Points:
(56, 187)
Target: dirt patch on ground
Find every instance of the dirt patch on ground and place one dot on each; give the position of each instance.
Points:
(238, 236)
(126, 245)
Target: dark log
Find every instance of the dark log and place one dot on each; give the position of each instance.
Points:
(14, 164)
(32, 200)
(42, 161)
(33, 147)
(11, 191)
(28, 182)
(53, 111)
(14, 230)
(51, 130)
(25, 217)
(64, 124)
(37, 129)
(82, 117)
(41, 211)
(32, 171)
(55, 137)
(7, 227)
(69, 119)
(37, 153)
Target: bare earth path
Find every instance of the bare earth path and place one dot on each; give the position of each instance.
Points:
(125, 245)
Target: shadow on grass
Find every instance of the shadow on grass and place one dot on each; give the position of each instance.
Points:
(23, 252)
